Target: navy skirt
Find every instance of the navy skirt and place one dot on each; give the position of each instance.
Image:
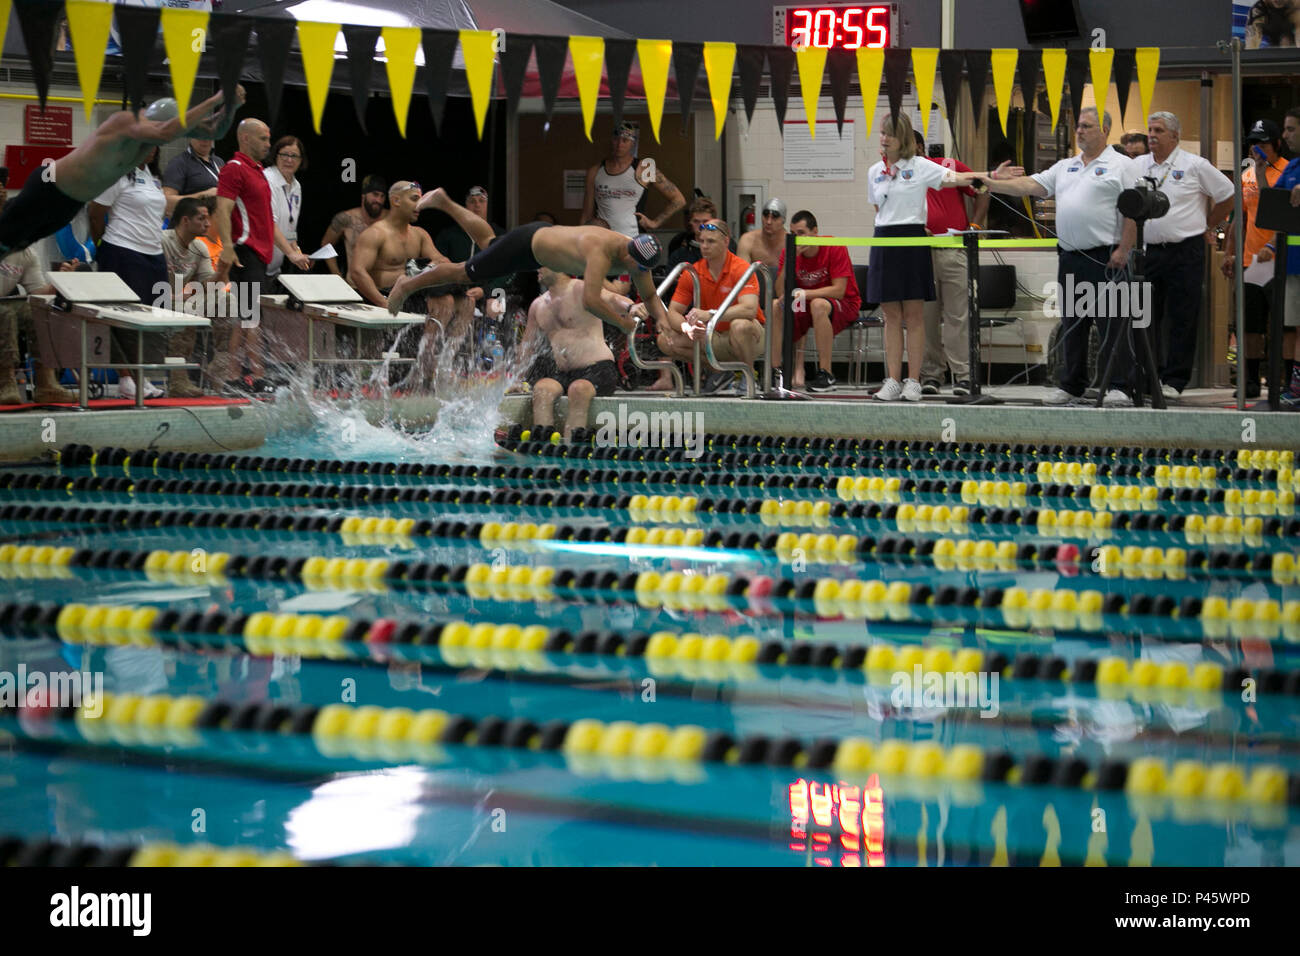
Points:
(900, 273)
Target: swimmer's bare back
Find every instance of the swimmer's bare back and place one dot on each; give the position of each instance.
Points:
(569, 248)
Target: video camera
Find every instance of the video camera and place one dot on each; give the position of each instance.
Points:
(1142, 202)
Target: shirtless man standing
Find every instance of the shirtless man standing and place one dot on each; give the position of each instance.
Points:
(766, 245)
(584, 364)
(349, 224)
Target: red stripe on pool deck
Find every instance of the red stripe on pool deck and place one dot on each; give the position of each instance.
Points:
(206, 401)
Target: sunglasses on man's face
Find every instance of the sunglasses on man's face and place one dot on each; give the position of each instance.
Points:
(710, 227)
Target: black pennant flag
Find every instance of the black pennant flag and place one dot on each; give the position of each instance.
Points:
(897, 63)
(1122, 69)
(951, 63)
(514, 65)
(687, 58)
(977, 75)
(439, 45)
(361, 60)
(228, 35)
(274, 39)
(841, 65)
(1028, 66)
(750, 60)
(1078, 68)
(39, 21)
(138, 28)
(618, 64)
(551, 52)
(780, 67)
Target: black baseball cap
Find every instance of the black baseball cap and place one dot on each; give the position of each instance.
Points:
(374, 184)
(1264, 131)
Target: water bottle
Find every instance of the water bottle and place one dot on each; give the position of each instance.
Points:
(496, 352)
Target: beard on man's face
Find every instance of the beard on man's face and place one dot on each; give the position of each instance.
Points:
(373, 209)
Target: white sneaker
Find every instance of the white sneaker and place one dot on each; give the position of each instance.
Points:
(911, 390)
(1116, 399)
(1170, 393)
(891, 391)
(1059, 397)
(126, 388)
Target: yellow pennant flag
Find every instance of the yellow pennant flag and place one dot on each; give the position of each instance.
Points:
(654, 56)
(588, 55)
(185, 36)
(1054, 80)
(1148, 65)
(719, 60)
(316, 40)
(812, 64)
(400, 44)
(476, 48)
(5, 6)
(1100, 61)
(88, 25)
(923, 61)
(1004, 80)
(871, 65)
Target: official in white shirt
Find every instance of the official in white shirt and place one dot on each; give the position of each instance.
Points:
(1093, 245)
(901, 278)
(289, 158)
(1175, 263)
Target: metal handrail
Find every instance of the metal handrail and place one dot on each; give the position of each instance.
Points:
(744, 368)
(666, 363)
(767, 290)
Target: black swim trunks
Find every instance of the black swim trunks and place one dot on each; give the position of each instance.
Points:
(603, 375)
(40, 209)
(510, 253)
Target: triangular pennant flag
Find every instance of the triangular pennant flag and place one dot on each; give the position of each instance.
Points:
(1054, 81)
(39, 23)
(923, 61)
(1004, 80)
(686, 69)
(89, 23)
(180, 28)
(1076, 73)
(228, 35)
(780, 67)
(588, 55)
(812, 64)
(618, 64)
(871, 64)
(1100, 61)
(1147, 59)
(274, 40)
(977, 76)
(1123, 71)
(719, 61)
(316, 42)
(895, 80)
(438, 46)
(137, 28)
(5, 7)
(476, 46)
(654, 56)
(951, 64)
(839, 66)
(551, 53)
(1029, 68)
(514, 66)
(361, 60)
(400, 44)
(750, 59)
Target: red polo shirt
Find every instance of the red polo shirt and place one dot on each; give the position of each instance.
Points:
(946, 209)
(713, 292)
(251, 224)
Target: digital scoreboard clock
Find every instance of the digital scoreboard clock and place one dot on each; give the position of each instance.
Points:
(847, 27)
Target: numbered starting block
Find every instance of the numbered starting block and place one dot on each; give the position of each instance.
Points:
(301, 325)
(81, 315)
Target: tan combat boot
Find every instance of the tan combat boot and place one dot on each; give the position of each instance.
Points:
(48, 391)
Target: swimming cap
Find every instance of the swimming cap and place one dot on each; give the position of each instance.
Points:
(163, 110)
(645, 250)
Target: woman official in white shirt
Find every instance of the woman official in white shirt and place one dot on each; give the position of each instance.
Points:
(901, 278)
(289, 159)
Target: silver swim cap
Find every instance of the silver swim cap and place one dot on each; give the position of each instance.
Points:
(163, 110)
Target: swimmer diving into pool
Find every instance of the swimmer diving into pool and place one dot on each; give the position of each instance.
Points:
(586, 252)
(49, 200)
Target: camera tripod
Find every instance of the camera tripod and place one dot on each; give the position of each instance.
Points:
(1143, 355)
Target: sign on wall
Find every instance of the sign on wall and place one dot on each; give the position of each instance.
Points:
(51, 127)
(828, 158)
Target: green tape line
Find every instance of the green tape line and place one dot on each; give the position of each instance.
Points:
(1293, 240)
(938, 242)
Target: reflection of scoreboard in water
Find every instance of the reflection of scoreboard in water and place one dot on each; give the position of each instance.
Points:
(819, 812)
(839, 26)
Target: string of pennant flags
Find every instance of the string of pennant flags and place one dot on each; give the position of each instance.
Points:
(492, 55)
